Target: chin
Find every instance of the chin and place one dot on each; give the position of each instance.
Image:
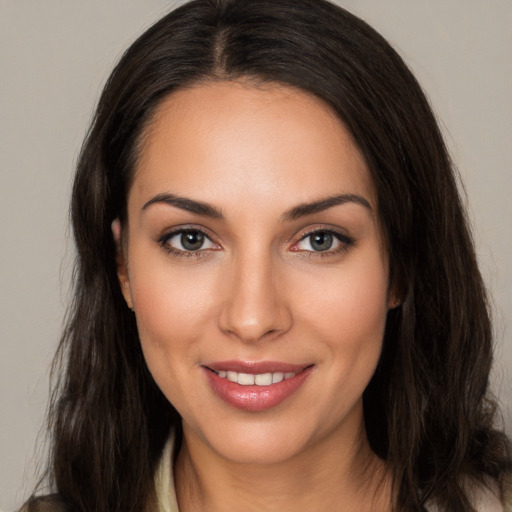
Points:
(259, 450)
(259, 442)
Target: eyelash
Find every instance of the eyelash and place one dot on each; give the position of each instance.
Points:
(164, 239)
(345, 243)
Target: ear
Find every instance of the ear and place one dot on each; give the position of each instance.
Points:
(394, 302)
(395, 298)
(395, 295)
(122, 268)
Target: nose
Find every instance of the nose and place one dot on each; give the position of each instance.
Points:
(255, 305)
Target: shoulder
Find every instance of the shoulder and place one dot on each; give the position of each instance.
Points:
(482, 498)
(487, 499)
(50, 503)
(507, 494)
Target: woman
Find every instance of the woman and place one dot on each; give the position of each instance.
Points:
(277, 303)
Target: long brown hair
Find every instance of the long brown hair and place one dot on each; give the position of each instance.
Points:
(427, 409)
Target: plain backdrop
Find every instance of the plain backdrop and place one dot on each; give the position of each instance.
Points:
(54, 58)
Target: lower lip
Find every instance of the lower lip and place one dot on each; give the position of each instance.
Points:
(256, 398)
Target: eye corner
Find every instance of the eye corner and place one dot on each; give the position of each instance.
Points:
(175, 243)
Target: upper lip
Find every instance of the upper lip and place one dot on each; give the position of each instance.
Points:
(256, 367)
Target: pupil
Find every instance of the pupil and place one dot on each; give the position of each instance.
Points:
(192, 240)
(321, 241)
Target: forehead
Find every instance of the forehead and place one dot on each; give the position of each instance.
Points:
(239, 141)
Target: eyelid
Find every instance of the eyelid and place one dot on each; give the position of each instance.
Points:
(344, 241)
(163, 240)
(343, 238)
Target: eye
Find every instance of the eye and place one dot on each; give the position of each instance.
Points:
(323, 241)
(187, 240)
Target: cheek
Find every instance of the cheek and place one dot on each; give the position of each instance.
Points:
(172, 308)
(171, 313)
(353, 300)
(349, 314)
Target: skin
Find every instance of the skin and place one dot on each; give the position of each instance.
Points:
(258, 291)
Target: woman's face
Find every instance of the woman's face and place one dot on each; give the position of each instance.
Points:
(256, 268)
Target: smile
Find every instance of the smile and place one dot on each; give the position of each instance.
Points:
(260, 379)
(255, 387)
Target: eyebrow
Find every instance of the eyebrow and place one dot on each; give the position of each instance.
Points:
(304, 209)
(184, 203)
(301, 210)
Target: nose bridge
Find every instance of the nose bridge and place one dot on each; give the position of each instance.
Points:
(254, 307)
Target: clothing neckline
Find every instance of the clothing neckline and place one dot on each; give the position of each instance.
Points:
(484, 500)
(164, 479)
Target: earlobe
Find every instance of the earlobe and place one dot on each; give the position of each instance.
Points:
(122, 268)
(395, 299)
(395, 294)
(394, 302)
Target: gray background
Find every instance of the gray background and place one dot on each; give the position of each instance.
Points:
(55, 56)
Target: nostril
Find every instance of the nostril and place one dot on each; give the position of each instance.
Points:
(252, 311)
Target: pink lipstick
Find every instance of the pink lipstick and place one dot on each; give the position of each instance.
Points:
(255, 386)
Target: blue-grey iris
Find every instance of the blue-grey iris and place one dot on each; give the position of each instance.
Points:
(192, 240)
(321, 241)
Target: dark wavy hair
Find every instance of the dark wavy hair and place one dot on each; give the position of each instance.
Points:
(427, 409)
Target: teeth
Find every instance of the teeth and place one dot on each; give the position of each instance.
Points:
(245, 379)
(249, 379)
(263, 379)
(277, 377)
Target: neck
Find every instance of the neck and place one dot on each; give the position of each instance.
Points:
(332, 474)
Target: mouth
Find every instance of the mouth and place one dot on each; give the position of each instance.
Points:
(255, 386)
(259, 379)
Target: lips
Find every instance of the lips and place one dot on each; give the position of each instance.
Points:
(255, 386)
